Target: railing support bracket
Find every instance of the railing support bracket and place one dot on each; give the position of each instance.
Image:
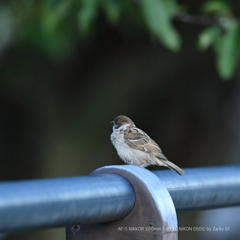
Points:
(152, 217)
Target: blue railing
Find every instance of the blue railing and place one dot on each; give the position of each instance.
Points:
(108, 197)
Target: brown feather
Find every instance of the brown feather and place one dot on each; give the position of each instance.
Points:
(138, 139)
(121, 120)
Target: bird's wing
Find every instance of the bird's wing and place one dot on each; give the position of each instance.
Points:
(138, 139)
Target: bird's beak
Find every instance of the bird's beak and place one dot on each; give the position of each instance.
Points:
(112, 122)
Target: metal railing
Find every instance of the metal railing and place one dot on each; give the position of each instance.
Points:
(108, 197)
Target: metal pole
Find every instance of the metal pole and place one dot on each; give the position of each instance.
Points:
(108, 197)
(60, 202)
(203, 188)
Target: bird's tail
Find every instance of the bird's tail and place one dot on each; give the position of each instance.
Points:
(173, 167)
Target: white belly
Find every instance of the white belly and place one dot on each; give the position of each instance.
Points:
(130, 155)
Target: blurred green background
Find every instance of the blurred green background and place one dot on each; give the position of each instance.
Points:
(68, 68)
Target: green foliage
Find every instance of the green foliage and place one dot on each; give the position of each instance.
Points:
(217, 7)
(52, 27)
(224, 37)
(208, 37)
(227, 49)
(112, 10)
(57, 26)
(158, 19)
(87, 14)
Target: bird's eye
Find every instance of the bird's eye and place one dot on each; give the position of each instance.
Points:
(115, 124)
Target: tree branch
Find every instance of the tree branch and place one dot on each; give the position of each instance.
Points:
(202, 19)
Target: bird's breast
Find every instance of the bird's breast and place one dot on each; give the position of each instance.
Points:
(126, 153)
(117, 138)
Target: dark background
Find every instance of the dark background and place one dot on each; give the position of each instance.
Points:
(56, 104)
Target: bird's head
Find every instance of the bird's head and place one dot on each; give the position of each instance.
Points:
(122, 122)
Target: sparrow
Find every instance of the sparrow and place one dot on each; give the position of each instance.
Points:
(135, 147)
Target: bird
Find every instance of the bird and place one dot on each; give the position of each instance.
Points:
(135, 147)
